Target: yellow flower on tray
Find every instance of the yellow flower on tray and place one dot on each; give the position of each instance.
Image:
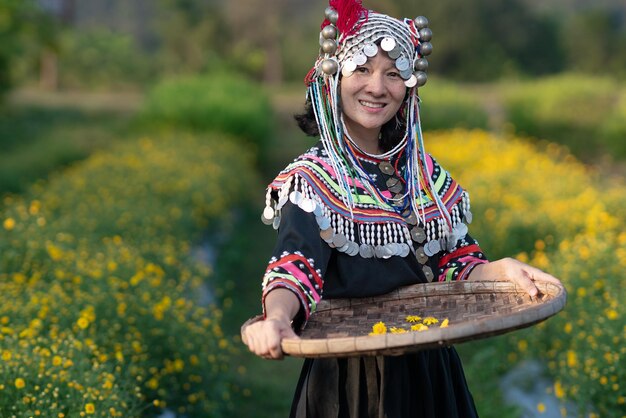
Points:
(444, 323)
(419, 327)
(413, 318)
(396, 330)
(430, 320)
(379, 328)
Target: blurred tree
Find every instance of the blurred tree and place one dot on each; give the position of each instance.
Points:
(595, 41)
(25, 30)
(192, 35)
(256, 27)
(484, 39)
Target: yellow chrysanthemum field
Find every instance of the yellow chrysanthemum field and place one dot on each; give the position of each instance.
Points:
(100, 313)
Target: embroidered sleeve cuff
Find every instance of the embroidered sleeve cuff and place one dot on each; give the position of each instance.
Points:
(296, 273)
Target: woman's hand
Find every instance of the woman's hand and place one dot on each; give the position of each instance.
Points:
(263, 337)
(512, 270)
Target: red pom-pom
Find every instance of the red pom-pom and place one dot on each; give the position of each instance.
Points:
(349, 12)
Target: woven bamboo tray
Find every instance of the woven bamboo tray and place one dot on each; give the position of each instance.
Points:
(475, 310)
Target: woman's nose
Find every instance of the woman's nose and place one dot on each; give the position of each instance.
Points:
(376, 84)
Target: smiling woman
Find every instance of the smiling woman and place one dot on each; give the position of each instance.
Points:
(364, 212)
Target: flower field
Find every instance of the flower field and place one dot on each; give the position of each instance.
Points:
(543, 207)
(104, 312)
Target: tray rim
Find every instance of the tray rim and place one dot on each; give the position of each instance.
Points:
(396, 344)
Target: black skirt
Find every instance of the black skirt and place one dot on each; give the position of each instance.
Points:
(426, 384)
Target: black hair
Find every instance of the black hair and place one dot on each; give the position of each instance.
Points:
(391, 132)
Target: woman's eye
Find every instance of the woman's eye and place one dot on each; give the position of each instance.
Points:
(393, 74)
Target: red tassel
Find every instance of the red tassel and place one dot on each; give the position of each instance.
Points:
(349, 11)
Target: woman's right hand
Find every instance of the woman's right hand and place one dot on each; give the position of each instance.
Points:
(263, 337)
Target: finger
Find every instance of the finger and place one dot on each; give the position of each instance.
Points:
(526, 282)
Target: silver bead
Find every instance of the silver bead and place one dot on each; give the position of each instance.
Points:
(426, 35)
(421, 64)
(333, 17)
(329, 66)
(328, 11)
(329, 46)
(426, 49)
(421, 22)
(329, 32)
(422, 78)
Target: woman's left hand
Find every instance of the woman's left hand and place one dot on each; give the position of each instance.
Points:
(512, 270)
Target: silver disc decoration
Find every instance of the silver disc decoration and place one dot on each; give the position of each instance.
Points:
(421, 64)
(370, 50)
(395, 52)
(421, 256)
(359, 58)
(386, 167)
(411, 82)
(402, 63)
(366, 251)
(388, 44)
(428, 272)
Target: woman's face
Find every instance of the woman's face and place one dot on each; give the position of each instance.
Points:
(371, 96)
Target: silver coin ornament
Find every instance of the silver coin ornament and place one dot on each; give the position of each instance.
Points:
(421, 78)
(428, 272)
(276, 222)
(359, 58)
(388, 44)
(426, 49)
(386, 167)
(267, 221)
(349, 65)
(323, 222)
(366, 251)
(327, 234)
(295, 197)
(353, 248)
(307, 205)
(469, 217)
(370, 50)
(411, 82)
(404, 250)
(421, 64)
(411, 219)
(406, 74)
(268, 213)
(330, 66)
(432, 247)
(395, 52)
(421, 22)
(329, 32)
(421, 256)
(402, 63)
(329, 46)
(418, 234)
(340, 240)
(426, 34)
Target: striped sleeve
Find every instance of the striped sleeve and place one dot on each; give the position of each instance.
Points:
(459, 263)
